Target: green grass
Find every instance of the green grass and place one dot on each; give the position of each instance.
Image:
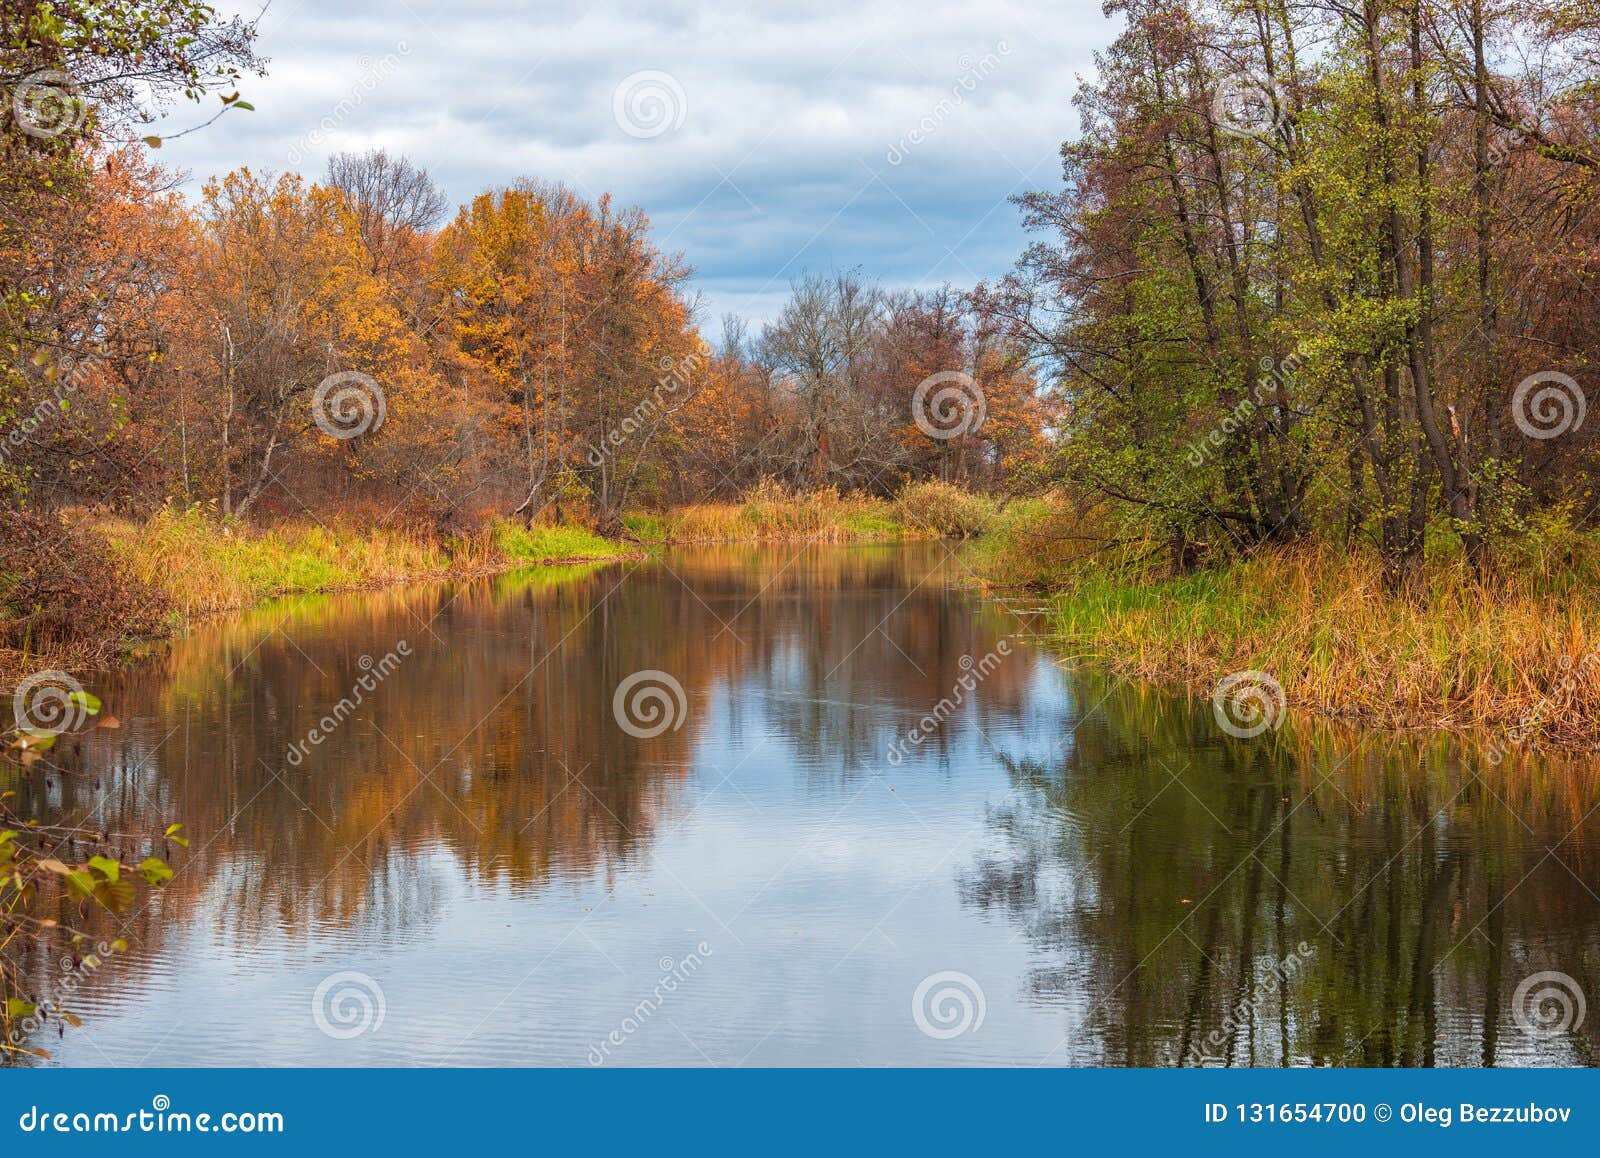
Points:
(207, 565)
(1516, 650)
(873, 525)
(542, 544)
(646, 527)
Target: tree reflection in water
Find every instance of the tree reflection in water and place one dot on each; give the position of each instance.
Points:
(1136, 885)
(1169, 871)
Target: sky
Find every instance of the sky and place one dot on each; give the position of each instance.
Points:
(763, 139)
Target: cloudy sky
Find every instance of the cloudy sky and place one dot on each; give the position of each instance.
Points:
(763, 138)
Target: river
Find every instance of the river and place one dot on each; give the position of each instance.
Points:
(775, 845)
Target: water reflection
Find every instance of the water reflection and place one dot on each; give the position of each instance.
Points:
(1127, 885)
(1331, 900)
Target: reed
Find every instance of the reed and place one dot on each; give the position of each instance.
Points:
(771, 511)
(1516, 652)
(206, 565)
(192, 564)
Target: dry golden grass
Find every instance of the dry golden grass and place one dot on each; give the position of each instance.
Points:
(197, 565)
(774, 512)
(1516, 652)
(206, 566)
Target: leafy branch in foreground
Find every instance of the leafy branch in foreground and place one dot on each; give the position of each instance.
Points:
(52, 876)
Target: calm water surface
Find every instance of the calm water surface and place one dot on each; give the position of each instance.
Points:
(1065, 870)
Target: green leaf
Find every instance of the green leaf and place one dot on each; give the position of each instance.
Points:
(246, 105)
(114, 895)
(153, 142)
(155, 870)
(88, 701)
(120, 945)
(34, 740)
(109, 868)
(16, 1007)
(81, 884)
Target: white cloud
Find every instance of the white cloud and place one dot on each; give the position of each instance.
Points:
(781, 162)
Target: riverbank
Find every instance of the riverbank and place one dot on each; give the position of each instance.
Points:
(204, 567)
(772, 513)
(1515, 657)
(179, 566)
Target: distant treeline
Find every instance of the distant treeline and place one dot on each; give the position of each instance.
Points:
(283, 346)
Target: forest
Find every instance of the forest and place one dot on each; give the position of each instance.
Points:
(1314, 298)
(1282, 404)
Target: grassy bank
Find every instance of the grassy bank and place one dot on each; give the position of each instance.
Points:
(150, 577)
(1515, 654)
(205, 567)
(772, 513)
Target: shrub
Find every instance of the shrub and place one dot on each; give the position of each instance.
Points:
(941, 508)
(62, 592)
